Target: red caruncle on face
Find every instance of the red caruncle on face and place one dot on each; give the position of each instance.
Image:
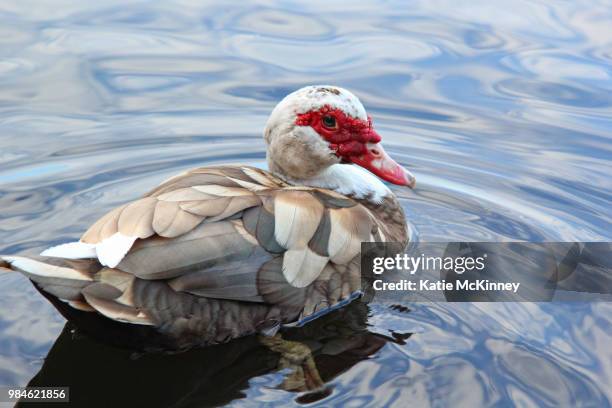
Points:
(355, 141)
(347, 136)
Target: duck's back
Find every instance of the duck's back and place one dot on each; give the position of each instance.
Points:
(214, 254)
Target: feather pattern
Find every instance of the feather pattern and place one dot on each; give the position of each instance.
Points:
(214, 253)
(300, 215)
(136, 218)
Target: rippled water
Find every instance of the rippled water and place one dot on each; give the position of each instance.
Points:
(503, 111)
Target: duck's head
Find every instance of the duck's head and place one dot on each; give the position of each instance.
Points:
(316, 128)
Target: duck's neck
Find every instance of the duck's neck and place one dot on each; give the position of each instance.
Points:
(349, 180)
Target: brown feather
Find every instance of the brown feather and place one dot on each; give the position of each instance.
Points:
(165, 212)
(206, 208)
(119, 279)
(95, 233)
(190, 179)
(222, 191)
(254, 187)
(102, 291)
(185, 194)
(263, 178)
(171, 221)
(235, 205)
(331, 199)
(136, 219)
(111, 226)
(117, 311)
(275, 289)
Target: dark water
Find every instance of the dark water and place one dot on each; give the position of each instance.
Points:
(503, 111)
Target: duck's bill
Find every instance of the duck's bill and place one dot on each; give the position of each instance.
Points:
(378, 162)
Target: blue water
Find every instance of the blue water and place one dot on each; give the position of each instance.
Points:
(502, 110)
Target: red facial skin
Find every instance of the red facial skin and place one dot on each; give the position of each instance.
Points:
(356, 141)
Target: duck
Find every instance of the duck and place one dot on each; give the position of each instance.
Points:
(226, 251)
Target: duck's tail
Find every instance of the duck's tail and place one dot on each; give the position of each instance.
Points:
(46, 268)
(83, 284)
(63, 278)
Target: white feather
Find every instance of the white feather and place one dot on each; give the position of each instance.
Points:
(351, 180)
(112, 250)
(302, 266)
(72, 250)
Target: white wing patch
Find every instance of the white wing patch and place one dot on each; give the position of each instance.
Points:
(109, 252)
(112, 250)
(72, 250)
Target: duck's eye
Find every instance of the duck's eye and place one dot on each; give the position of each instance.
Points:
(329, 122)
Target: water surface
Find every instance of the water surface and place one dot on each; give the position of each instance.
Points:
(503, 111)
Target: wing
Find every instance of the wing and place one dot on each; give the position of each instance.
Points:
(226, 233)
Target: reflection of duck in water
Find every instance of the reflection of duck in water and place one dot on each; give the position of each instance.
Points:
(222, 252)
(101, 375)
